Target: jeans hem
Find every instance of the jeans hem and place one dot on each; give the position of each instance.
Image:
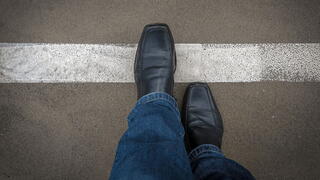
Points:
(204, 149)
(156, 96)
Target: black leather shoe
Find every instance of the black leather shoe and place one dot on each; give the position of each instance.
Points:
(155, 61)
(201, 117)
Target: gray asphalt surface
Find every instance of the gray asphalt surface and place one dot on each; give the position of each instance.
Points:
(70, 130)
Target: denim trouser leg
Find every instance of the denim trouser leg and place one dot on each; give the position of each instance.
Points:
(208, 162)
(153, 147)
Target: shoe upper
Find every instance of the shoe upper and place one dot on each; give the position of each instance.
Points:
(201, 117)
(155, 60)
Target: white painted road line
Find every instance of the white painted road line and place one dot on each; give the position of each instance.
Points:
(196, 62)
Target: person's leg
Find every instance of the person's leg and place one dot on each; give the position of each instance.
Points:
(153, 145)
(204, 130)
(208, 162)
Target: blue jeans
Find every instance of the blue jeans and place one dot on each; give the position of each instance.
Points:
(153, 147)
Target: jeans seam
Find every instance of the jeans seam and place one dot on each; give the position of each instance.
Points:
(160, 98)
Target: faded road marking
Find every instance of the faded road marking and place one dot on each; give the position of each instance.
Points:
(26, 63)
